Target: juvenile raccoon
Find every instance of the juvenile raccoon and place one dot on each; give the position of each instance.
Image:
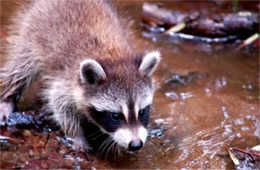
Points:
(86, 59)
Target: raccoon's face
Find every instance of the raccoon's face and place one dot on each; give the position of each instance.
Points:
(119, 102)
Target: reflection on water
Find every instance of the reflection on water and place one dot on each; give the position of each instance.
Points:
(207, 100)
(207, 144)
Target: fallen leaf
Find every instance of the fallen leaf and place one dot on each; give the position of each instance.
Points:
(248, 41)
(233, 158)
(256, 148)
(176, 28)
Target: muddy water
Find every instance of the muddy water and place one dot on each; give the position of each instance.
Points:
(207, 100)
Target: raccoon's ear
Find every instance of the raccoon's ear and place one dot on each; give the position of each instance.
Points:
(150, 62)
(91, 72)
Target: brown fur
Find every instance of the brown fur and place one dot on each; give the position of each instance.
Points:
(55, 36)
(50, 40)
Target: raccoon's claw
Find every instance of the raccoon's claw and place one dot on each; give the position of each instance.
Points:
(5, 109)
(80, 143)
(81, 146)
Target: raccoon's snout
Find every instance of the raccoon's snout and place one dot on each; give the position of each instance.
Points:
(135, 145)
(131, 139)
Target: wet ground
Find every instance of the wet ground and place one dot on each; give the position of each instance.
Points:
(207, 100)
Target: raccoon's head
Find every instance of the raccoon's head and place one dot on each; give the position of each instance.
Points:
(117, 96)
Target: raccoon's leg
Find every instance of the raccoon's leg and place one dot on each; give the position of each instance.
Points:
(70, 124)
(69, 121)
(65, 113)
(16, 77)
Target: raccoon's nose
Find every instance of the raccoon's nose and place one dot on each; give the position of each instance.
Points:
(135, 145)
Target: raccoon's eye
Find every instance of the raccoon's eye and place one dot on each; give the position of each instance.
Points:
(116, 116)
(143, 112)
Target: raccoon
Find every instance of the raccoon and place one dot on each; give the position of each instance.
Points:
(87, 61)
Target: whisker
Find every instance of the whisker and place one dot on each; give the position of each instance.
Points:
(101, 133)
(104, 145)
(101, 146)
(115, 151)
(93, 134)
(105, 148)
(118, 149)
(109, 147)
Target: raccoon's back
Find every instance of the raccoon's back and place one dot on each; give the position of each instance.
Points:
(66, 31)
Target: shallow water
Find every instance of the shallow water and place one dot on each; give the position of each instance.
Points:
(207, 100)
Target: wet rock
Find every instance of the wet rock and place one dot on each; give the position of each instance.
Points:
(178, 80)
(20, 118)
(241, 24)
(31, 120)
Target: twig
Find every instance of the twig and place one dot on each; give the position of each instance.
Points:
(233, 157)
(247, 152)
(46, 141)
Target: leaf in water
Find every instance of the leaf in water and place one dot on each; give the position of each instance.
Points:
(256, 148)
(176, 28)
(233, 157)
(248, 41)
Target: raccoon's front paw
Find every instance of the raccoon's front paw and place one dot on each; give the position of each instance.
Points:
(80, 145)
(5, 109)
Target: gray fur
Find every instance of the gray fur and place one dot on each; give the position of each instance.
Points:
(50, 40)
